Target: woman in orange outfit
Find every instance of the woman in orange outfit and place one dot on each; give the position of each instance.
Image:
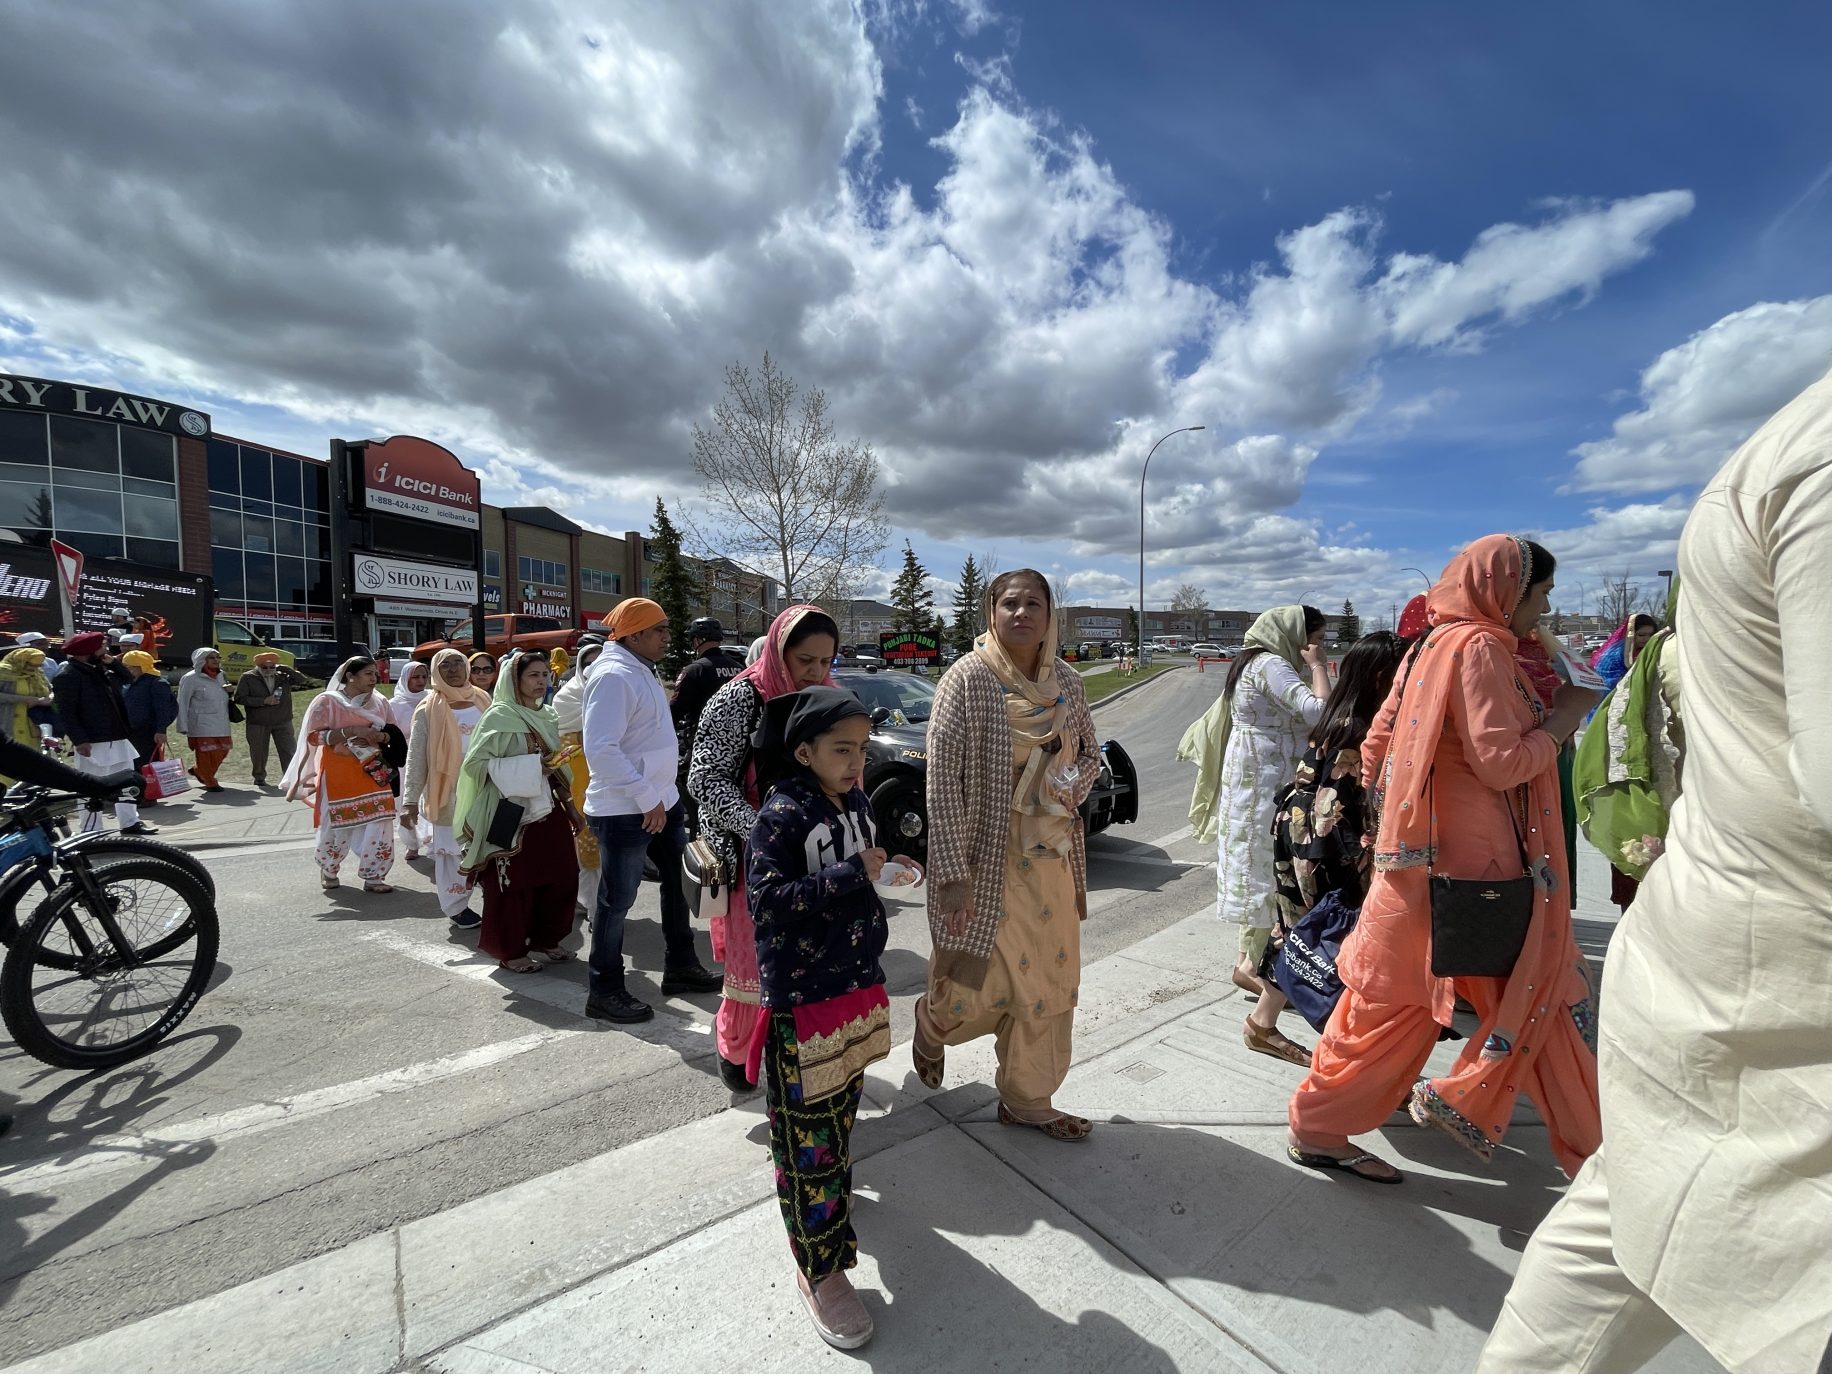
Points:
(1463, 738)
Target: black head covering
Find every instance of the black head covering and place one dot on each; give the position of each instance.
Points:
(793, 719)
(816, 711)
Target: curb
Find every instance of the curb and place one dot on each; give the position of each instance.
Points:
(1112, 697)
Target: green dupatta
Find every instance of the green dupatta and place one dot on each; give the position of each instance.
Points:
(1626, 774)
(1279, 631)
(501, 733)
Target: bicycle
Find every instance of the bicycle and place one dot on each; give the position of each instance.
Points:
(36, 866)
(118, 952)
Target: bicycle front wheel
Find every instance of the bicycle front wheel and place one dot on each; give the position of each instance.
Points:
(89, 983)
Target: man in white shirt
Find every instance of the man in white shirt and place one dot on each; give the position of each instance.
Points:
(634, 808)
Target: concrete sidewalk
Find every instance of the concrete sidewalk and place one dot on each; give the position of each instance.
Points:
(238, 816)
(1177, 1238)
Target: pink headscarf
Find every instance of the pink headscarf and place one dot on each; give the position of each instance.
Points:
(770, 673)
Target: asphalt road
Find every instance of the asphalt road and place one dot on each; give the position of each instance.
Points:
(357, 1065)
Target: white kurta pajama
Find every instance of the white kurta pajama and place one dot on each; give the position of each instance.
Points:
(1274, 710)
(453, 887)
(1709, 1208)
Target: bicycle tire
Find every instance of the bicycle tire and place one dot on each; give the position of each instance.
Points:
(18, 1002)
(98, 851)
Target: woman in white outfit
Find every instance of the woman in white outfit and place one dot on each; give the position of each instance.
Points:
(442, 726)
(408, 694)
(339, 770)
(1247, 747)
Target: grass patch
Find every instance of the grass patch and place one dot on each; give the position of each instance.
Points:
(237, 769)
(1108, 683)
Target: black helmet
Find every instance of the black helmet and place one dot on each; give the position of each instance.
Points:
(706, 628)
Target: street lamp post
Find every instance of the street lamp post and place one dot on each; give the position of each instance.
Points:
(1422, 573)
(1139, 648)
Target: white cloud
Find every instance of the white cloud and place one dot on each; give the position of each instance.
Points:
(538, 234)
(1640, 537)
(1702, 399)
(1300, 349)
(1515, 269)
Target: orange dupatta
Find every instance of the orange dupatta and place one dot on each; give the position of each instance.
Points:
(1474, 600)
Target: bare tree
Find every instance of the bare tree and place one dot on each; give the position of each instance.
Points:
(1189, 597)
(1616, 600)
(789, 494)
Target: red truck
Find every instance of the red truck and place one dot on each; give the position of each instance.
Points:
(502, 633)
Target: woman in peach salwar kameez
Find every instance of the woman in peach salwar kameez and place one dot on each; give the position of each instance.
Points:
(1463, 737)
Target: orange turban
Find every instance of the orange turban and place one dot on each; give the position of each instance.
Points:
(632, 616)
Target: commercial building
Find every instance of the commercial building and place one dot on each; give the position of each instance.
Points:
(152, 487)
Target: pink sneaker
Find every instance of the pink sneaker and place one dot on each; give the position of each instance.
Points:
(838, 1316)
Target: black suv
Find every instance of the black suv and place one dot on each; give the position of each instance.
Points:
(897, 761)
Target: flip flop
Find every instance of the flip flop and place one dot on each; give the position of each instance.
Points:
(555, 956)
(527, 966)
(1329, 1163)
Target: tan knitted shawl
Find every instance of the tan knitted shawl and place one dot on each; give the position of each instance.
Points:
(970, 813)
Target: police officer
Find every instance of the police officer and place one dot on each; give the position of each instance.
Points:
(710, 668)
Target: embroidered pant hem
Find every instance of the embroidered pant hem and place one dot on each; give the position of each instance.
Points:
(1034, 1053)
(811, 1145)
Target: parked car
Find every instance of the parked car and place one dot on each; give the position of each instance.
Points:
(1206, 650)
(860, 656)
(318, 659)
(237, 644)
(394, 661)
(897, 762)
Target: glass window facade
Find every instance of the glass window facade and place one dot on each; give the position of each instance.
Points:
(541, 570)
(270, 536)
(604, 583)
(109, 490)
(492, 563)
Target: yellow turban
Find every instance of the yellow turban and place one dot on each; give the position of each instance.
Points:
(267, 660)
(633, 616)
(139, 658)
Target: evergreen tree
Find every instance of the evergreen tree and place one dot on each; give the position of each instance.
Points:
(967, 598)
(911, 598)
(1132, 628)
(673, 587)
(1351, 624)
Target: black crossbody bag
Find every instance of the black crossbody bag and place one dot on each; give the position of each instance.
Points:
(1478, 925)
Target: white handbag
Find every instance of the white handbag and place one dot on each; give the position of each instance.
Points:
(704, 881)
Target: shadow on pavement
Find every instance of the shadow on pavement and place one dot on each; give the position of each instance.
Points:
(1252, 1241)
(63, 1125)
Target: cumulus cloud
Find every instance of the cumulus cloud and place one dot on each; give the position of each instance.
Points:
(1643, 537)
(1702, 399)
(538, 232)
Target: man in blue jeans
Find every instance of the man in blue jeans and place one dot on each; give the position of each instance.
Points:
(634, 807)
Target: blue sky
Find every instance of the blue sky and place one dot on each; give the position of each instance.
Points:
(1425, 271)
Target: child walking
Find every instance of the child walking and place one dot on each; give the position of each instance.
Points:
(820, 933)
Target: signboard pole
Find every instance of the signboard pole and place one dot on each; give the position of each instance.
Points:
(69, 578)
(343, 625)
(477, 611)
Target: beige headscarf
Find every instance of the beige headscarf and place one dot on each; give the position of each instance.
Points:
(1037, 713)
(444, 740)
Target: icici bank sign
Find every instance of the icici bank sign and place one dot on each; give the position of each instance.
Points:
(416, 478)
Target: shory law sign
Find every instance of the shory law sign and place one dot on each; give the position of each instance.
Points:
(393, 579)
(100, 403)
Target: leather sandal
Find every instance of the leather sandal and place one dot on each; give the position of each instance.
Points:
(1271, 1040)
(1062, 1127)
